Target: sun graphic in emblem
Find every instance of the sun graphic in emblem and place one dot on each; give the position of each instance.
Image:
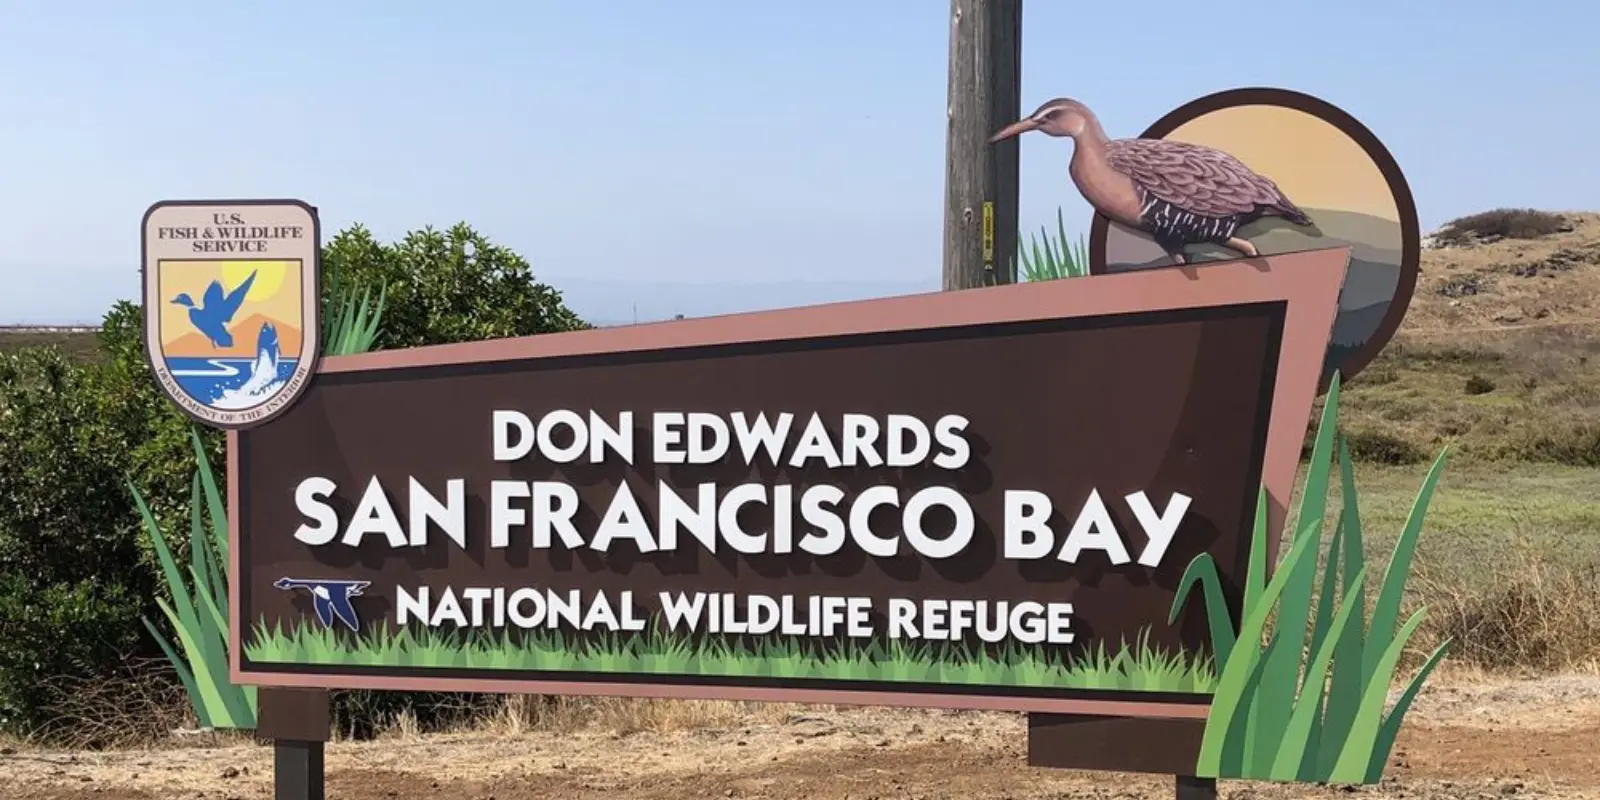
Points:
(270, 276)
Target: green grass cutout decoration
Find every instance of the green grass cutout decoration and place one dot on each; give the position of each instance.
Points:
(199, 608)
(1135, 667)
(1046, 259)
(1270, 721)
(199, 612)
(353, 325)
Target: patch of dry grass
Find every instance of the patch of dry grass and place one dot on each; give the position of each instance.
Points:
(1473, 287)
(1535, 614)
(1508, 564)
(519, 714)
(141, 706)
(1521, 394)
(79, 347)
(522, 714)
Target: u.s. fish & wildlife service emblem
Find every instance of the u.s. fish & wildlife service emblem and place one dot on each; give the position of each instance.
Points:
(232, 305)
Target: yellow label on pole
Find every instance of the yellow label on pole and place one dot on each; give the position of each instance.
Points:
(988, 232)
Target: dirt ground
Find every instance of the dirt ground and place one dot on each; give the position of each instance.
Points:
(1467, 738)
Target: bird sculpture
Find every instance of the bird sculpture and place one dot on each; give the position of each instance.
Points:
(330, 600)
(1180, 194)
(212, 318)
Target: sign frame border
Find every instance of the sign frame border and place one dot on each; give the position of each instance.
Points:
(1308, 282)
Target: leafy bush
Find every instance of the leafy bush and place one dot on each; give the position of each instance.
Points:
(445, 286)
(1574, 444)
(1380, 447)
(1505, 223)
(72, 576)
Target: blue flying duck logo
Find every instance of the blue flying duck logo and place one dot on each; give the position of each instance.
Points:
(220, 307)
(329, 599)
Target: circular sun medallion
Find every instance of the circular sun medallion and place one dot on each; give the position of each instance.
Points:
(1336, 171)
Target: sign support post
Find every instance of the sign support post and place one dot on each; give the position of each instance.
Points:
(1192, 788)
(1152, 746)
(297, 769)
(298, 722)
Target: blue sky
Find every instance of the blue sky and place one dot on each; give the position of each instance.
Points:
(702, 140)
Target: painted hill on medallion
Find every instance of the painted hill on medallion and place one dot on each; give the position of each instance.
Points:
(195, 345)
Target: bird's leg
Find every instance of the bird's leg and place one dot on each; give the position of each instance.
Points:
(1243, 246)
(1174, 247)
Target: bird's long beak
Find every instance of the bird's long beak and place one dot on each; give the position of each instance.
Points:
(1015, 128)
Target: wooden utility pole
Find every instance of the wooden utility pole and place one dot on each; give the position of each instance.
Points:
(980, 179)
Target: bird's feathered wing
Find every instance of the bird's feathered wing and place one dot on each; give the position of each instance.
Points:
(214, 298)
(235, 297)
(324, 608)
(1198, 179)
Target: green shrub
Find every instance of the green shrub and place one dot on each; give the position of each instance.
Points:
(1382, 447)
(1477, 384)
(445, 286)
(1575, 444)
(1507, 223)
(73, 579)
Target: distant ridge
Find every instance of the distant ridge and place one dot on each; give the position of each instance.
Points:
(43, 328)
(622, 302)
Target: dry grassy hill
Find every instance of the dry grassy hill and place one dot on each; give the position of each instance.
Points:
(1548, 274)
(1497, 352)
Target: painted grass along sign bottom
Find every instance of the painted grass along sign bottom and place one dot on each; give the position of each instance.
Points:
(802, 504)
(657, 652)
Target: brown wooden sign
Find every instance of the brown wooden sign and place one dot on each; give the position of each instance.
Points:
(979, 499)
